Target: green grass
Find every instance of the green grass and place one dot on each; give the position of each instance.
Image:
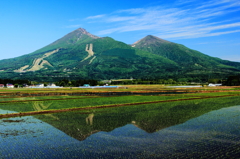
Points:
(213, 94)
(149, 117)
(41, 103)
(23, 99)
(84, 102)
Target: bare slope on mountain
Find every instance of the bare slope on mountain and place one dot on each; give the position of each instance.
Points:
(89, 50)
(38, 63)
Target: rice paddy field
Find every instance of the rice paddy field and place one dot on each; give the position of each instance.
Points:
(136, 121)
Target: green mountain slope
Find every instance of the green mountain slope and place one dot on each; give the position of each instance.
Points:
(67, 42)
(81, 55)
(190, 61)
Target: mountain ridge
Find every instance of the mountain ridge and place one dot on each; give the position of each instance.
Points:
(148, 40)
(78, 34)
(82, 55)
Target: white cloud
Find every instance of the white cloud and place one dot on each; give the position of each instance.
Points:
(180, 21)
(96, 16)
(120, 19)
(221, 26)
(72, 20)
(231, 58)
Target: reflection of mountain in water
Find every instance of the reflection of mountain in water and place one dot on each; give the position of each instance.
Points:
(151, 118)
(40, 106)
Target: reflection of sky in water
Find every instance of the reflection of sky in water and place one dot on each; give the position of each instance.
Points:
(210, 135)
(31, 138)
(214, 133)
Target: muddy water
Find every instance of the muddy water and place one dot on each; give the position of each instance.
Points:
(135, 132)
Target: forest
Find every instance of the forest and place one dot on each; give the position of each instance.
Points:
(230, 81)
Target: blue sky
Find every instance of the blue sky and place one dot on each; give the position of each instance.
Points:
(209, 26)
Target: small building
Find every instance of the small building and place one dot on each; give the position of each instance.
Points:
(41, 85)
(9, 85)
(214, 85)
(25, 85)
(51, 85)
(2, 86)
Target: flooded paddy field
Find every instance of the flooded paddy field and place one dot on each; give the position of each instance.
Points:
(172, 128)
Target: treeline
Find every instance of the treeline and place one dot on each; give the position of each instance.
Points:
(15, 82)
(154, 81)
(76, 83)
(64, 82)
(230, 81)
(233, 81)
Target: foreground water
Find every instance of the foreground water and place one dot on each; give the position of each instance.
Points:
(122, 133)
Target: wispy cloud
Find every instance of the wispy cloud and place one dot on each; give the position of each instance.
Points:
(73, 20)
(231, 57)
(96, 16)
(186, 19)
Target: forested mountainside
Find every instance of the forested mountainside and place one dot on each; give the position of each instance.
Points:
(81, 55)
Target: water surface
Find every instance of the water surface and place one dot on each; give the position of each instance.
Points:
(132, 132)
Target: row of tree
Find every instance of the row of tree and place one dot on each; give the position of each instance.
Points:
(230, 81)
(233, 81)
(76, 83)
(64, 82)
(15, 82)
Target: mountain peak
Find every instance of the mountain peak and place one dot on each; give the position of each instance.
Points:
(150, 39)
(74, 36)
(84, 31)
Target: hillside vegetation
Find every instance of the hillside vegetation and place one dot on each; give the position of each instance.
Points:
(81, 55)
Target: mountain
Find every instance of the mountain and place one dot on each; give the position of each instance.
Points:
(81, 55)
(190, 62)
(37, 60)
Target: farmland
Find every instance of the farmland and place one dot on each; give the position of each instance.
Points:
(145, 120)
(82, 98)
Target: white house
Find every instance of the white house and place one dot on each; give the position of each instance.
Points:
(9, 85)
(213, 85)
(51, 85)
(41, 85)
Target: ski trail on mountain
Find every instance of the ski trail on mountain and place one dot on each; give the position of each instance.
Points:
(38, 63)
(89, 49)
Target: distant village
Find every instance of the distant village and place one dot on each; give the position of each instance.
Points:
(5, 83)
(50, 85)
